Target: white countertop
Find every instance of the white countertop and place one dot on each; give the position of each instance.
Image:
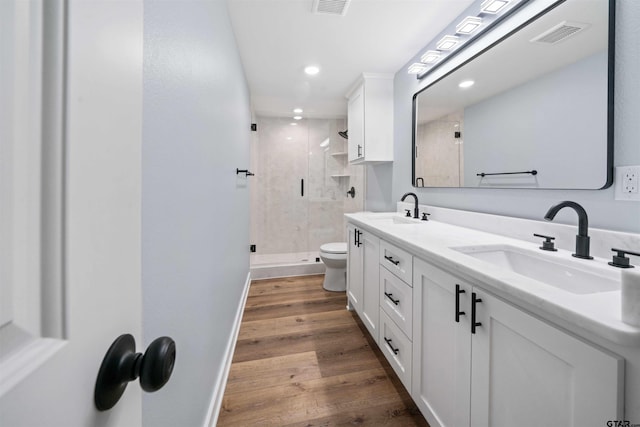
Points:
(596, 313)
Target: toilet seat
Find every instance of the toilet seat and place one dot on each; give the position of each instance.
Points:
(334, 248)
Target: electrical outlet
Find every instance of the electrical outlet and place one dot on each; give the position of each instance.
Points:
(627, 183)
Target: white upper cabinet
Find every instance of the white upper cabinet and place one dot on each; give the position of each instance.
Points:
(370, 118)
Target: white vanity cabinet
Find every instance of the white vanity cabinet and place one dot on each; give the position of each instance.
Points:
(514, 369)
(370, 119)
(363, 275)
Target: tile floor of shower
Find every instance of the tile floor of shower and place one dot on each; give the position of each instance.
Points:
(265, 266)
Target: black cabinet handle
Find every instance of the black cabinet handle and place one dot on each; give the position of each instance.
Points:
(390, 296)
(458, 312)
(391, 260)
(358, 234)
(359, 150)
(302, 188)
(388, 341)
(122, 364)
(474, 324)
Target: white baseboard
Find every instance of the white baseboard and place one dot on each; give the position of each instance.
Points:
(219, 386)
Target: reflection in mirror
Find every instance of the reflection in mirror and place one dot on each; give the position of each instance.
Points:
(532, 111)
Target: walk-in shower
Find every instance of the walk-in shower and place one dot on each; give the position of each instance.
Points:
(299, 194)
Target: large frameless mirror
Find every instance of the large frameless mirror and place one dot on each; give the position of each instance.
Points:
(531, 111)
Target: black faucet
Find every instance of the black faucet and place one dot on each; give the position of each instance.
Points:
(416, 212)
(582, 239)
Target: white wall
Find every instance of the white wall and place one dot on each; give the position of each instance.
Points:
(195, 212)
(603, 210)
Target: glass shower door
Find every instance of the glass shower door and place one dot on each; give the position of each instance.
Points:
(279, 207)
(298, 197)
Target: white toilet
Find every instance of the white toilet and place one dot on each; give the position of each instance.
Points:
(334, 257)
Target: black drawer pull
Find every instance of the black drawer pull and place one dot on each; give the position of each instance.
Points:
(388, 341)
(391, 260)
(390, 296)
(458, 312)
(474, 324)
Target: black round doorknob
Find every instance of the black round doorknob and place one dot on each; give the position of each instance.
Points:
(122, 364)
(157, 364)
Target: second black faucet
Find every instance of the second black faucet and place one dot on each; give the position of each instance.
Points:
(416, 211)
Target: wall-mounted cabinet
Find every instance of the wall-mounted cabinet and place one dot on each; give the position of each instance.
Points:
(370, 119)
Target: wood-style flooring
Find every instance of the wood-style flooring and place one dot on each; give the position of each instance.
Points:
(302, 359)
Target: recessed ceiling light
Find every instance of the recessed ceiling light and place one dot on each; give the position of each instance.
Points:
(297, 117)
(417, 68)
(493, 6)
(447, 42)
(312, 70)
(466, 83)
(468, 25)
(293, 124)
(297, 110)
(430, 57)
(289, 138)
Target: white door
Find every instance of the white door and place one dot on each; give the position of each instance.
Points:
(370, 282)
(528, 373)
(441, 346)
(70, 204)
(354, 269)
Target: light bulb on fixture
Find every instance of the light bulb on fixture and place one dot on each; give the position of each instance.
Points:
(297, 110)
(448, 42)
(430, 57)
(468, 25)
(417, 68)
(297, 117)
(493, 6)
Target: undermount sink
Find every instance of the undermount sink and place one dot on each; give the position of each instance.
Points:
(392, 219)
(564, 274)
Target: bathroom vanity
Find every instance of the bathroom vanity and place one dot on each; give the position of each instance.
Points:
(480, 329)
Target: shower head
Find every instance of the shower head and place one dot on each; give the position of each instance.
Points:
(344, 134)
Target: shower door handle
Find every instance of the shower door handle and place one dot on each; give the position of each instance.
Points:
(302, 188)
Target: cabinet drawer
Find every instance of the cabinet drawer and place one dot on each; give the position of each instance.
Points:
(396, 299)
(398, 261)
(397, 348)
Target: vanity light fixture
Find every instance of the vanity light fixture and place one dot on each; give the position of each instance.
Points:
(297, 110)
(312, 70)
(297, 117)
(466, 83)
(471, 27)
(448, 42)
(493, 6)
(417, 68)
(468, 25)
(430, 57)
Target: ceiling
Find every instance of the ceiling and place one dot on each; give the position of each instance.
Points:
(277, 39)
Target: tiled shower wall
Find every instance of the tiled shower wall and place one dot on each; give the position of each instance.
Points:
(282, 154)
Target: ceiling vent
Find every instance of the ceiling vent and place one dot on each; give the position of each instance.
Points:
(559, 32)
(331, 7)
